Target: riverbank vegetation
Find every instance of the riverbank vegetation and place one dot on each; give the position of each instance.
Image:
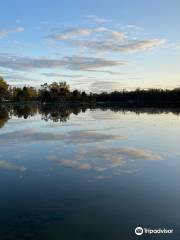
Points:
(59, 92)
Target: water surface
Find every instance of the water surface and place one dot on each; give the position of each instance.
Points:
(75, 173)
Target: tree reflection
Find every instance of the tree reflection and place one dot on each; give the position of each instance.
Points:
(62, 113)
(4, 116)
(24, 110)
(59, 113)
(139, 110)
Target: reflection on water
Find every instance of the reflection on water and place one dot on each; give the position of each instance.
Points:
(88, 173)
(4, 116)
(61, 113)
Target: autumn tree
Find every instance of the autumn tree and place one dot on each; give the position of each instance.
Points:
(3, 89)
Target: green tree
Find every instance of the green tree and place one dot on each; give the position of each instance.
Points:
(3, 89)
(24, 94)
(55, 91)
(60, 89)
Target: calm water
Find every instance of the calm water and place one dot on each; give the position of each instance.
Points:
(88, 174)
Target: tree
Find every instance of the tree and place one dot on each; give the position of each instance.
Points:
(76, 94)
(54, 91)
(24, 94)
(84, 95)
(59, 90)
(3, 89)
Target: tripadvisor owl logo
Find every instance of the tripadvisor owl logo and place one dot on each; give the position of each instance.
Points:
(139, 231)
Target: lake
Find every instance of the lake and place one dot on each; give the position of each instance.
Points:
(77, 173)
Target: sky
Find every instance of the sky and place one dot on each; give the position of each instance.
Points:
(93, 45)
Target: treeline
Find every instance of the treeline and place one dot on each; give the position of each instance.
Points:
(54, 92)
(60, 92)
(140, 95)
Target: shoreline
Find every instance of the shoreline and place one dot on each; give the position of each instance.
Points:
(125, 104)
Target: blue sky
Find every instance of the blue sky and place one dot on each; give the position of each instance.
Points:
(93, 45)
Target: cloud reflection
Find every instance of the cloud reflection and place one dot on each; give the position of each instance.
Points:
(10, 166)
(74, 137)
(101, 159)
(91, 136)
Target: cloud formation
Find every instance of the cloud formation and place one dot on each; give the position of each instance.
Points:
(71, 62)
(105, 39)
(19, 78)
(101, 159)
(5, 32)
(104, 85)
(74, 137)
(86, 63)
(10, 166)
(97, 19)
(76, 33)
(82, 137)
(72, 33)
(113, 45)
(62, 75)
(28, 135)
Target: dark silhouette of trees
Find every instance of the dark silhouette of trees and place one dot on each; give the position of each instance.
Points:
(3, 89)
(59, 92)
(141, 96)
(4, 116)
(59, 112)
(23, 94)
(54, 91)
(24, 110)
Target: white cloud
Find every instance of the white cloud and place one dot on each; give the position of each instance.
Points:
(106, 40)
(97, 19)
(62, 75)
(104, 86)
(72, 62)
(108, 45)
(76, 33)
(85, 63)
(72, 33)
(20, 79)
(4, 32)
(141, 45)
